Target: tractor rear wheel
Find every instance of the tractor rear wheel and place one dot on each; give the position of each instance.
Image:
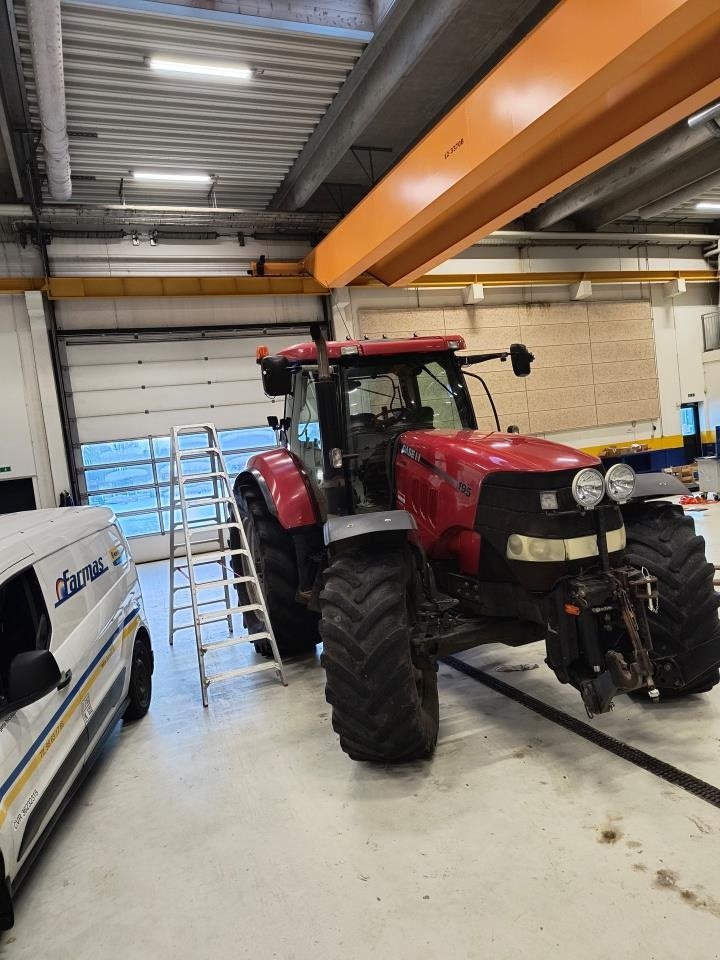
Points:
(295, 627)
(384, 700)
(661, 538)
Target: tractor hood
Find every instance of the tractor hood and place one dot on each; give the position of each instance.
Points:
(494, 452)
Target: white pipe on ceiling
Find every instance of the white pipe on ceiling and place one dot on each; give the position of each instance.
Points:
(46, 47)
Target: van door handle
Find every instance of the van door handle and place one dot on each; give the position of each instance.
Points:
(65, 679)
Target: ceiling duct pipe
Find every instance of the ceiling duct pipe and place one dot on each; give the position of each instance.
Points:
(46, 47)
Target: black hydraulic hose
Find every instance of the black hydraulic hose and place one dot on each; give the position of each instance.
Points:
(489, 396)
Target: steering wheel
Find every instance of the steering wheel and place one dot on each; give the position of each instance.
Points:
(388, 418)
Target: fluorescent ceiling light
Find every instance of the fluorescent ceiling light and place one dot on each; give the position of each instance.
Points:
(200, 69)
(201, 178)
(707, 205)
(709, 113)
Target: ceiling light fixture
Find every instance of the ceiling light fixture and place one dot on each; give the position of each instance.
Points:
(707, 205)
(199, 69)
(202, 179)
(704, 116)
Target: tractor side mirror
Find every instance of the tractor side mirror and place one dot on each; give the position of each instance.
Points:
(276, 378)
(521, 358)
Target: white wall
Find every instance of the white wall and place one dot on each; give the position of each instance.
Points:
(30, 438)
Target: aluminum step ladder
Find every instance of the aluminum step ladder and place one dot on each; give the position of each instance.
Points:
(191, 554)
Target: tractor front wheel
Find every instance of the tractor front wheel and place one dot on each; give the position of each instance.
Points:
(384, 699)
(294, 625)
(662, 539)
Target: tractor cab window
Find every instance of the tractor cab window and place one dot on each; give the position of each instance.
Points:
(305, 440)
(386, 397)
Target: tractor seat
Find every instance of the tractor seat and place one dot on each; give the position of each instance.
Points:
(362, 421)
(422, 418)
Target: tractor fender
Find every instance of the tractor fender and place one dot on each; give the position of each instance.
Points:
(361, 524)
(649, 485)
(284, 486)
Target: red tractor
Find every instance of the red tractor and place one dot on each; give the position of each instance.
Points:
(388, 527)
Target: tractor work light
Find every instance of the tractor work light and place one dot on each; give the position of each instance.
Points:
(620, 482)
(588, 487)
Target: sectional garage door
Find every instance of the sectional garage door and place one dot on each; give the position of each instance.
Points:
(127, 395)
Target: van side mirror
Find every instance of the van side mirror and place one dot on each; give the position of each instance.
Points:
(31, 677)
(276, 377)
(521, 358)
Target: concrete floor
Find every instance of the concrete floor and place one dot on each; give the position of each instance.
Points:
(243, 830)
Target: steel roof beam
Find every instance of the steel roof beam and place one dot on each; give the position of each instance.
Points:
(408, 29)
(538, 123)
(648, 159)
(646, 190)
(15, 122)
(335, 20)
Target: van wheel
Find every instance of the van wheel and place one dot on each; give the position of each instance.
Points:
(140, 692)
(294, 625)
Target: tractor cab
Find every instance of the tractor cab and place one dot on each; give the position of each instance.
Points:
(377, 390)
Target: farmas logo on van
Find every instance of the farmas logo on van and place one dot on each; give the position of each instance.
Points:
(71, 583)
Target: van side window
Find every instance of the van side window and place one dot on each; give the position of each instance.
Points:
(24, 620)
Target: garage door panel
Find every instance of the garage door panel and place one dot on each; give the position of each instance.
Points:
(158, 399)
(148, 351)
(197, 369)
(107, 428)
(156, 374)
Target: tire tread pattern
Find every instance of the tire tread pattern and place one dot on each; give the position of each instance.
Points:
(378, 710)
(662, 538)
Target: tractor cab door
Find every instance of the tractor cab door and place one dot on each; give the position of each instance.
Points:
(304, 438)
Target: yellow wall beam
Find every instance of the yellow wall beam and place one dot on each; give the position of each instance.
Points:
(11, 285)
(564, 278)
(69, 288)
(75, 288)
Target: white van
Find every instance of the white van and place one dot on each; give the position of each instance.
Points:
(75, 655)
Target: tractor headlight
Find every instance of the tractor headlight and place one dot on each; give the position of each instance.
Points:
(620, 482)
(588, 487)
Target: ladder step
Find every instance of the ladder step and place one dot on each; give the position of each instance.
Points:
(205, 500)
(229, 525)
(199, 603)
(197, 452)
(207, 646)
(196, 477)
(213, 557)
(241, 672)
(215, 615)
(208, 584)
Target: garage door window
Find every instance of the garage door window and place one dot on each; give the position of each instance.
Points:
(132, 477)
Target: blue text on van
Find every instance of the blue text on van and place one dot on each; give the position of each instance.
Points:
(71, 583)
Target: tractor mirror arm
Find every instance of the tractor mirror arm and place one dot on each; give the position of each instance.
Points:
(466, 361)
(519, 355)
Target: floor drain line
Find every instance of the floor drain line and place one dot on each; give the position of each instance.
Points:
(666, 771)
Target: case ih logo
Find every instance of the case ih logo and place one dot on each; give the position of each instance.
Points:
(71, 583)
(409, 452)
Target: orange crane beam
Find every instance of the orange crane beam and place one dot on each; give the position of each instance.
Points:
(592, 81)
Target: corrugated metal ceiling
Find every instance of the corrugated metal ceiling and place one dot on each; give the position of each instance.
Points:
(123, 116)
